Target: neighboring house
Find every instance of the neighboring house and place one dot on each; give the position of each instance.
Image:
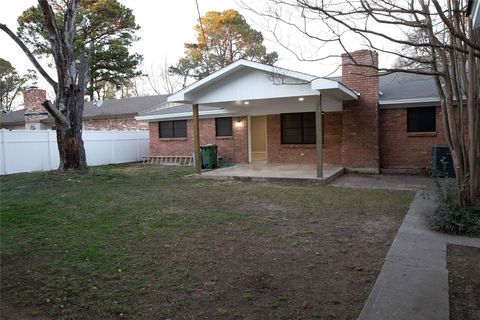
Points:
(99, 115)
(259, 113)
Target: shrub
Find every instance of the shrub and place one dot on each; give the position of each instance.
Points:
(449, 217)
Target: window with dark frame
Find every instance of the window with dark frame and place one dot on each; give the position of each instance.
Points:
(172, 129)
(223, 127)
(421, 119)
(298, 128)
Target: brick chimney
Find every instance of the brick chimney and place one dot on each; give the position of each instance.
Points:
(360, 139)
(34, 111)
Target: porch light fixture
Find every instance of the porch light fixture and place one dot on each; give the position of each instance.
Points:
(246, 102)
(238, 123)
(301, 99)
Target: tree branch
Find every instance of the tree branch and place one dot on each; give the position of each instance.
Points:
(29, 55)
(60, 117)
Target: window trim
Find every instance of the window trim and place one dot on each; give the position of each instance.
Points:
(421, 132)
(173, 129)
(231, 127)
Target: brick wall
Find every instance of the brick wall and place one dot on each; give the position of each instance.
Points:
(360, 140)
(233, 148)
(400, 149)
(305, 153)
(115, 124)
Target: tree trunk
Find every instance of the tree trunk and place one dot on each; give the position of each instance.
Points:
(69, 137)
(71, 150)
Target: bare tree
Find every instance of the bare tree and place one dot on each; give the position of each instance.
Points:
(435, 35)
(161, 80)
(72, 78)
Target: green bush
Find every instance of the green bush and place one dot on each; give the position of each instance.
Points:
(449, 216)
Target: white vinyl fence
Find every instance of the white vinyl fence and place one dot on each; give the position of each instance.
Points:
(36, 150)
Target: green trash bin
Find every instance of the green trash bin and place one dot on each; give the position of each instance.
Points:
(209, 156)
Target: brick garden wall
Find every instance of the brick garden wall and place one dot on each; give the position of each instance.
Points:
(305, 154)
(115, 124)
(233, 148)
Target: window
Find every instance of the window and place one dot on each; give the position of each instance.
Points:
(298, 128)
(223, 127)
(421, 119)
(172, 129)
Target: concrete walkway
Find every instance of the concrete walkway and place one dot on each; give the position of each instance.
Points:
(413, 282)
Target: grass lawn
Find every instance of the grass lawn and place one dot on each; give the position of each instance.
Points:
(130, 241)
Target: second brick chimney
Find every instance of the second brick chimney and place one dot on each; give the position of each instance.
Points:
(34, 111)
(360, 136)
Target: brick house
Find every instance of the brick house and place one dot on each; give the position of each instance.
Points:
(259, 113)
(99, 115)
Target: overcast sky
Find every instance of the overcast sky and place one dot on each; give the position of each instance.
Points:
(165, 27)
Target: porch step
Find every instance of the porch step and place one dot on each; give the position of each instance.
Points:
(169, 160)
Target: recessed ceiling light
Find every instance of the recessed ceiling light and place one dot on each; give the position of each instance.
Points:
(246, 102)
(301, 99)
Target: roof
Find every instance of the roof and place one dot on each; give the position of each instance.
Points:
(241, 80)
(401, 86)
(119, 107)
(184, 111)
(224, 72)
(124, 106)
(177, 109)
(107, 109)
(13, 117)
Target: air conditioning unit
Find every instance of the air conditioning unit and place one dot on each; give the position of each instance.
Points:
(442, 163)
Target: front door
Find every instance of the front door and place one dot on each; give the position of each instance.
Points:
(258, 136)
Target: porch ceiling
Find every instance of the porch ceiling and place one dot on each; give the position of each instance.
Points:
(279, 105)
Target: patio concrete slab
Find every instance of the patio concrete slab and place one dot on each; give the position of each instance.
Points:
(274, 173)
(413, 282)
(381, 181)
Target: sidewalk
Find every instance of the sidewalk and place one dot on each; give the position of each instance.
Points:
(413, 282)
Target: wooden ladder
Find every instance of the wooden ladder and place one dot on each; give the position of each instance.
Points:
(169, 160)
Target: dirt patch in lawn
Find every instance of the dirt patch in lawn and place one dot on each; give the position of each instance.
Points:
(153, 245)
(128, 170)
(464, 282)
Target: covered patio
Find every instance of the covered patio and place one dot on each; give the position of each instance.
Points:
(256, 92)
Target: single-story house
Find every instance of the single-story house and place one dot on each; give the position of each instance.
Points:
(361, 121)
(97, 115)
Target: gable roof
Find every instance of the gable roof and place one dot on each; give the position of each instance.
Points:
(241, 80)
(179, 96)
